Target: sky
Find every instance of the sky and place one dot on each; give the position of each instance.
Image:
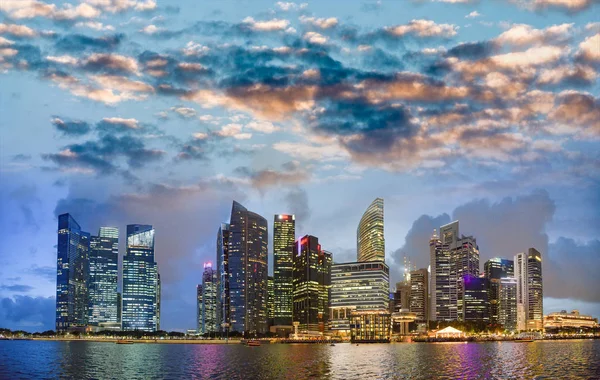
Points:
(164, 112)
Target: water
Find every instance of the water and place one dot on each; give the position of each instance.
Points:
(575, 359)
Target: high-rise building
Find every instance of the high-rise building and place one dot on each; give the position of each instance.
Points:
(270, 300)
(419, 294)
(443, 289)
(496, 269)
(312, 283)
(370, 242)
(507, 303)
(453, 256)
(402, 295)
(284, 232)
(528, 272)
(209, 300)
(103, 276)
(157, 306)
(199, 309)
(72, 274)
(357, 286)
(475, 298)
(140, 280)
(248, 268)
(119, 306)
(223, 304)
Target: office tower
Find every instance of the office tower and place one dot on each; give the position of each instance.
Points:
(475, 298)
(103, 276)
(72, 263)
(209, 299)
(496, 269)
(535, 291)
(528, 272)
(199, 309)
(270, 300)
(312, 283)
(402, 295)
(507, 303)
(119, 306)
(370, 243)
(419, 294)
(223, 304)
(284, 232)
(140, 277)
(158, 296)
(357, 286)
(443, 289)
(248, 267)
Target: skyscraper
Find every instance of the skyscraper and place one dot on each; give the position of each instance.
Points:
(528, 272)
(284, 232)
(270, 300)
(199, 309)
(72, 274)
(443, 288)
(140, 280)
(419, 294)
(157, 306)
(209, 300)
(312, 282)
(248, 268)
(103, 278)
(357, 286)
(223, 304)
(370, 242)
(495, 269)
(475, 298)
(507, 303)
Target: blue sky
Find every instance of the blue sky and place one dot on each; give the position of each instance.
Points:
(162, 113)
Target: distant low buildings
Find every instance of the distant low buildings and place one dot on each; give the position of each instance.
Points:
(573, 319)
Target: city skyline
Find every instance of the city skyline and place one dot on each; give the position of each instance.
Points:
(162, 113)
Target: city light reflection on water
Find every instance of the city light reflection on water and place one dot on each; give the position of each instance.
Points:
(503, 360)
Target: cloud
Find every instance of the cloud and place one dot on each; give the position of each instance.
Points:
(28, 9)
(28, 313)
(589, 49)
(81, 89)
(111, 63)
(290, 6)
(17, 30)
(566, 74)
(233, 130)
(118, 124)
(297, 204)
(80, 42)
(522, 35)
(291, 174)
(473, 14)
(184, 112)
(17, 288)
(315, 38)
(570, 6)
(423, 28)
(265, 26)
(95, 25)
(323, 23)
(71, 127)
(576, 113)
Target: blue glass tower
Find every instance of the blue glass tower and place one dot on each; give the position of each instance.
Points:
(140, 280)
(223, 303)
(72, 274)
(248, 267)
(104, 269)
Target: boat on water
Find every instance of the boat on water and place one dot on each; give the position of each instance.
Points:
(124, 341)
(332, 344)
(253, 343)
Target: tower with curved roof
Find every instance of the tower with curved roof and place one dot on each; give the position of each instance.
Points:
(370, 243)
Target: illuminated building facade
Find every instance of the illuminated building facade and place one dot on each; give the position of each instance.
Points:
(572, 320)
(475, 298)
(248, 270)
(370, 242)
(72, 274)
(507, 303)
(370, 326)
(209, 300)
(158, 299)
(357, 286)
(103, 276)
(402, 295)
(284, 232)
(419, 294)
(223, 298)
(199, 308)
(312, 283)
(528, 272)
(270, 300)
(495, 269)
(140, 280)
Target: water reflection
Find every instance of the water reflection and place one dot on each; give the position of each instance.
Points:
(505, 360)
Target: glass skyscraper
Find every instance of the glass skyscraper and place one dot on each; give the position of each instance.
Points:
(140, 280)
(475, 298)
(495, 269)
(312, 283)
(209, 300)
(103, 277)
(507, 303)
(530, 295)
(199, 309)
(223, 298)
(284, 232)
(370, 242)
(248, 268)
(419, 294)
(72, 274)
